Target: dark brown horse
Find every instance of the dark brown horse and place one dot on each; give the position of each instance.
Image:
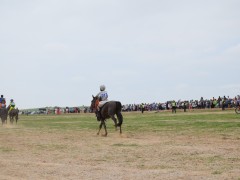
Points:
(3, 115)
(108, 110)
(13, 114)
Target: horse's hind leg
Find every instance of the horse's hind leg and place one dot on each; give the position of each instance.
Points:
(120, 121)
(12, 119)
(16, 118)
(115, 121)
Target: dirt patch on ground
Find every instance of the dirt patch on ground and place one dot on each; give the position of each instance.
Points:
(44, 154)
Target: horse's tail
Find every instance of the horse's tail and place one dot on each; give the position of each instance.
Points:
(118, 113)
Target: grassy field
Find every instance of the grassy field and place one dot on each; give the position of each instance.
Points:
(154, 145)
(195, 122)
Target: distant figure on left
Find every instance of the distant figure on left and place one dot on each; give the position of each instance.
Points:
(2, 102)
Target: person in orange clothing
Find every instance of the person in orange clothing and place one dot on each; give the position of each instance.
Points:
(2, 102)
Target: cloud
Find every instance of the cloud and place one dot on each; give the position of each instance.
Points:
(235, 50)
(55, 47)
(231, 86)
(78, 79)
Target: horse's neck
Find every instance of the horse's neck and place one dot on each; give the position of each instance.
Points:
(96, 103)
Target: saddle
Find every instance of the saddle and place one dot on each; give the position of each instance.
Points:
(102, 103)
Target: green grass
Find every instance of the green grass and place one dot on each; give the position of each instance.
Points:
(216, 172)
(126, 145)
(197, 122)
(6, 149)
(59, 122)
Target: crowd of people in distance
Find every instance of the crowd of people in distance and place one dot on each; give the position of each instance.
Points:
(220, 102)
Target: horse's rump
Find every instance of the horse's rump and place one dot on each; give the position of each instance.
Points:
(13, 114)
(111, 108)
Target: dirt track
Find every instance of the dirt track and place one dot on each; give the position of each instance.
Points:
(28, 154)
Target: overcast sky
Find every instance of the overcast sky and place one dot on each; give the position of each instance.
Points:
(58, 52)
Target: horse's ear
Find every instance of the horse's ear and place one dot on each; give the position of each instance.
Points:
(92, 96)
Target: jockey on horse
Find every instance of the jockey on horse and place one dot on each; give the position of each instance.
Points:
(12, 105)
(102, 99)
(3, 110)
(2, 102)
(12, 112)
(105, 109)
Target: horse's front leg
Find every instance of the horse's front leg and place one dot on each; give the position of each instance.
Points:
(105, 127)
(100, 127)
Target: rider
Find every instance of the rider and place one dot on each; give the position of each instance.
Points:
(2, 102)
(103, 98)
(12, 105)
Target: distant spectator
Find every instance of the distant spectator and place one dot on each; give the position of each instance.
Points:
(142, 107)
(184, 106)
(223, 104)
(190, 106)
(174, 106)
(167, 106)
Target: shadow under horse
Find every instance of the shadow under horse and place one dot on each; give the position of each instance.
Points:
(3, 115)
(108, 110)
(13, 114)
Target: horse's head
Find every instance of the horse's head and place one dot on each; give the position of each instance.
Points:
(94, 103)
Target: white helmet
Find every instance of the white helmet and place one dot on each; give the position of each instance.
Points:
(102, 88)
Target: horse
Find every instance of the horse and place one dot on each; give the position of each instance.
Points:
(13, 114)
(3, 115)
(108, 110)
